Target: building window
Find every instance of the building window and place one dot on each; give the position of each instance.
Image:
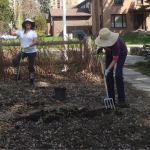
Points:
(140, 1)
(53, 2)
(58, 3)
(118, 21)
(118, 1)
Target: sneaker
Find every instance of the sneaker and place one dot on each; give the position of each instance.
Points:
(65, 69)
(31, 78)
(123, 105)
(32, 81)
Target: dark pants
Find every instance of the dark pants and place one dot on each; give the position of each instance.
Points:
(31, 60)
(118, 78)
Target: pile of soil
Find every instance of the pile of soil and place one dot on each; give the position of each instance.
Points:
(31, 118)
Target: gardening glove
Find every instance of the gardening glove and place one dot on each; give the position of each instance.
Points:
(10, 26)
(99, 50)
(106, 72)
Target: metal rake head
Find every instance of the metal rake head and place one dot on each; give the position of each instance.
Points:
(109, 103)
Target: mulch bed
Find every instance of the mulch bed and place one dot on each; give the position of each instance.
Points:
(31, 118)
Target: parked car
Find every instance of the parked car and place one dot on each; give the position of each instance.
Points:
(80, 34)
(6, 37)
(138, 31)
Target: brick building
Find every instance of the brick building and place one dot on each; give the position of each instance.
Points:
(119, 15)
(76, 18)
(59, 3)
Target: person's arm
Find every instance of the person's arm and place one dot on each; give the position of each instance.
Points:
(13, 33)
(112, 64)
(35, 41)
(115, 54)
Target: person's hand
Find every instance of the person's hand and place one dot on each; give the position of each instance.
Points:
(106, 72)
(10, 26)
(99, 50)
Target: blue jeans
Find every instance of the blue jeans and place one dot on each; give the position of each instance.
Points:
(31, 60)
(118, 78)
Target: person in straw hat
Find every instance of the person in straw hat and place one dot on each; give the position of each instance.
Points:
(115, 54)
(28, 38)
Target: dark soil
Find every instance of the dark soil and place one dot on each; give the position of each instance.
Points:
(31, 118)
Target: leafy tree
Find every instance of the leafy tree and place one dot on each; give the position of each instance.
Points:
(6, 15)
(40, 25)
(45, 5)
(30, 9)
(25, 9)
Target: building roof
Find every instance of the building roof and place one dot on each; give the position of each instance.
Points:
(82, 3)
(69, 12)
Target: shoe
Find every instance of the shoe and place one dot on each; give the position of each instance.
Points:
(123, 105)
(65, 69)
(31, 78)
(31, 81)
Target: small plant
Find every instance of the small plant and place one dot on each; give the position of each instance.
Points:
(139, 39)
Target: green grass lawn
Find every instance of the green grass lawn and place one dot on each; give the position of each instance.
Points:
(130, 39)
(139, 39)
(142, 67)
(133, 39)
(54, 38)
(144, 71)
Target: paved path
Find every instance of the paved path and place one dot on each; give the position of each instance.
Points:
(139, 81)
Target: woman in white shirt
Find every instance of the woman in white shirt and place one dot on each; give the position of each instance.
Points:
(28, 39)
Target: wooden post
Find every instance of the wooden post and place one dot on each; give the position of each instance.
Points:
(81, 51)
(87, 50)
(1, 59)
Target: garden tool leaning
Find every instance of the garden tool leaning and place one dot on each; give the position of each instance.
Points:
(108, 102)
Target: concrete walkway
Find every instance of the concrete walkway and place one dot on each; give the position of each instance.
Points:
(139, 81)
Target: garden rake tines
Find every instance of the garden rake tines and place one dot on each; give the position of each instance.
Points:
(108, 102)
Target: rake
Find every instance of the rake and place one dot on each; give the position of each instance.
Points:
(108, 102)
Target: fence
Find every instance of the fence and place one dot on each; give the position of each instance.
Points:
(51, 56)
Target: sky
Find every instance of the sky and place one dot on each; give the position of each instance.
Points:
(81, 1)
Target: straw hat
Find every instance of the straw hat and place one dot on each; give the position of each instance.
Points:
(106, 38)
(28, 20)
